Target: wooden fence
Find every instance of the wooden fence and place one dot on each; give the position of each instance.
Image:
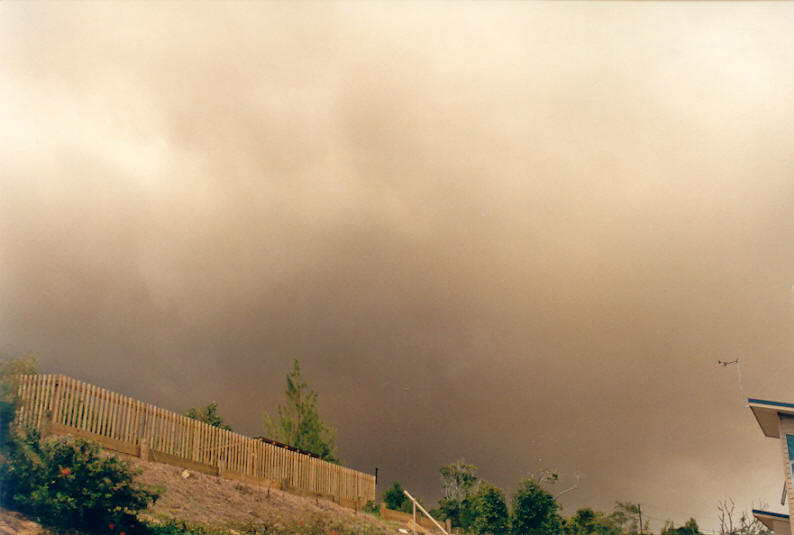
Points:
(61, 404)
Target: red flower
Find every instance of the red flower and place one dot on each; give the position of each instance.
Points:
(65, 471)
(111, 526)
(122, 533)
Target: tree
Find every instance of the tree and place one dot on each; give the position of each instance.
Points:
(10, 370)
(586, 521)
(489, 510)
(458, 480)
(299, 423)
(455, 511)
(458, 483)
(534, 511)
(741, 526)
(395, 498)
(627, 516)
(689, 528)
(65, 483)
(209, 415)
(69, 485)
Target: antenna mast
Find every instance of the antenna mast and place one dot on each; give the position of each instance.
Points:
(738, 376)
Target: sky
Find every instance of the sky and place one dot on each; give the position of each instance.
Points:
(517, 233)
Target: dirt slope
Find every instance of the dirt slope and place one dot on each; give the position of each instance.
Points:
(14, 523)
(221, 503)
(221, 506)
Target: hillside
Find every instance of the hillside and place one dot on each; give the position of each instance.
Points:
(217, 506)
(14, 523)
(222, 503)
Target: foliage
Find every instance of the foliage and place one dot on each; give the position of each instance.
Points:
(626, 515)
(458, 480)
(307, 524)
(371, 507)
(395, 498)
(729, 525)
(455, 511)
(10, 370)
(458, 483)
(209, 415)
(689, 528)
(66, 484)
(176, 527)
(298, 423)
(589, 522)
(534, 511)
(489, 510)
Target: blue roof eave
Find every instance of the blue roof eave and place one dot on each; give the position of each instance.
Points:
(770, 513)
(771, 403)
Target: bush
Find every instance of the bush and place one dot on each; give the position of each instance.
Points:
(65, 484)
(371, 507)
(489, 510)
(10, 370)
(534, 511)
(394, 498)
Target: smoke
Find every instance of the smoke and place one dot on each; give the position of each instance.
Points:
(522, 234)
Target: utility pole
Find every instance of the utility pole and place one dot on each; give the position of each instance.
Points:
(639, 510)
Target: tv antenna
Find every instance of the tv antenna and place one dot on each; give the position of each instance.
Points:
(738, 376)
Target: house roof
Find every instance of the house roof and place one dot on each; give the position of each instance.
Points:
(769, 519)
(766, 413)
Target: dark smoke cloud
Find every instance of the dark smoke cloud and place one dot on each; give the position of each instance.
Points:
(522, 234)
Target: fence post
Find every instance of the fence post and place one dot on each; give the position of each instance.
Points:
(144, 449)
(45, 424)
(56, 399)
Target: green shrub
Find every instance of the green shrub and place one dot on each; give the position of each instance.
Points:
(534, 511)
(371, 507)
(66, 484)
(174, 527)
(489, 510)
(394, 498)
(10, 371)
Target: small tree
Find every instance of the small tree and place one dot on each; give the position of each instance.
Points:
(458, 480)
(10, 370)
(489, 510)
(586, 521)
(689, 528)
(68, 485)
(209, 415)
(534, 511)
(627, 516)
(730, 525)
(394, 497)
(458, 483)
(455, 511)
(65, 483)
(299, 423)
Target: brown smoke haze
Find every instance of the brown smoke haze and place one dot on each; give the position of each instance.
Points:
(518, 233)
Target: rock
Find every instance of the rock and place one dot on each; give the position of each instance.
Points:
(185, 474)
